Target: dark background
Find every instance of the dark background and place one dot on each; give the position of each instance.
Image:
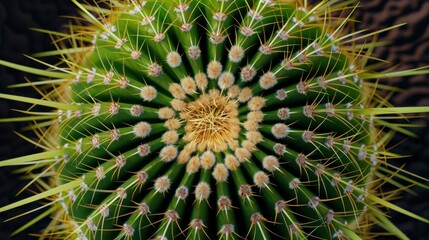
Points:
(409, 49)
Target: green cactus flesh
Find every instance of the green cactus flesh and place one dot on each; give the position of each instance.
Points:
(217, 120)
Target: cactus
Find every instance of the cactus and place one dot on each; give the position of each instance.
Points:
(254, 119)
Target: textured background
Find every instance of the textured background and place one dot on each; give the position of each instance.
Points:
(409, 48)
(16, 39)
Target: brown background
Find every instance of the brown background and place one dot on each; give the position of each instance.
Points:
(409, 48)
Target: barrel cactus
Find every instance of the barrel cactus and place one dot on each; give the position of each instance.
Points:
(227, 119)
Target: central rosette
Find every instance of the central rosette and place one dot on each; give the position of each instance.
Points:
(211, 122)
(209, 126)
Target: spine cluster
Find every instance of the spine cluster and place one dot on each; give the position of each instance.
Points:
(222, 119)
(226, 119)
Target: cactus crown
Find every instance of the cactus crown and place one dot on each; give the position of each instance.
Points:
(215, 120)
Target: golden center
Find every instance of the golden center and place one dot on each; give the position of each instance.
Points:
(211, 122)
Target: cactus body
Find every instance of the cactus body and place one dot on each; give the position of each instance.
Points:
(217, 120)
(222, 118)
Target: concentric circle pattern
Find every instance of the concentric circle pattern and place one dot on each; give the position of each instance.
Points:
(218, 120)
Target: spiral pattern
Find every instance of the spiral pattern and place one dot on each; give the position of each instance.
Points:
(218, 120)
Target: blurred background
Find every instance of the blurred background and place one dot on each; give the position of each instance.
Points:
(409, 48)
